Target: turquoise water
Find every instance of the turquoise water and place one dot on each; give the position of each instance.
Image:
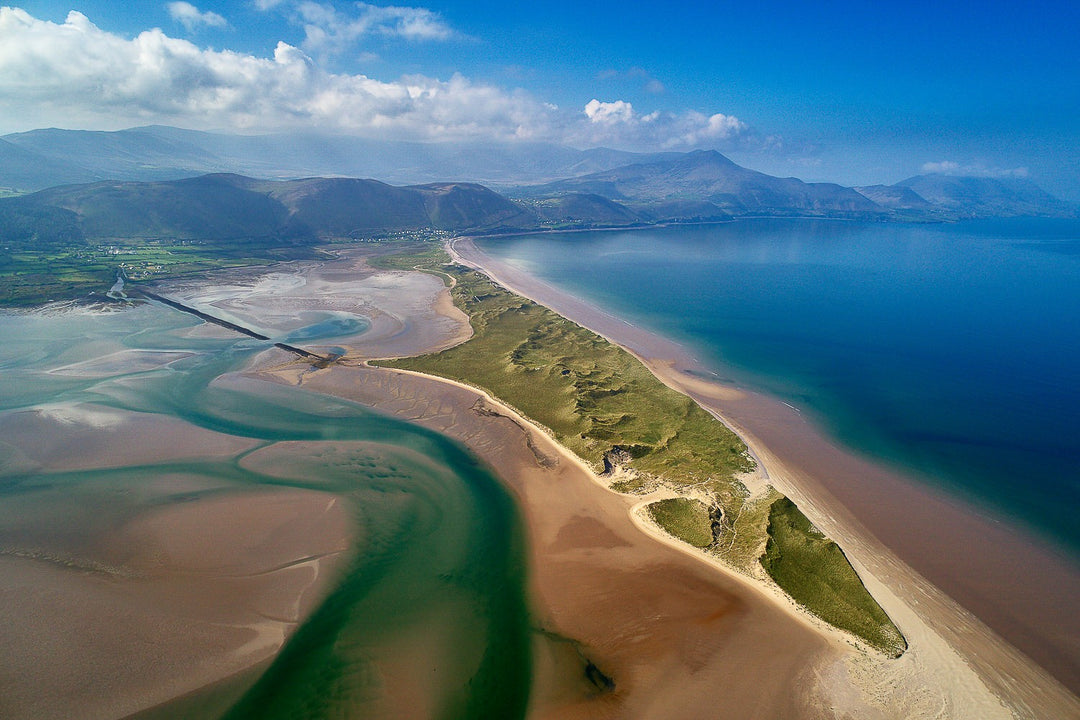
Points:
(440, 554)
(328, 326)
(952, 351)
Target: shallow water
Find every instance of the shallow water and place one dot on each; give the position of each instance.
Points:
(951, 351)
(434, 593)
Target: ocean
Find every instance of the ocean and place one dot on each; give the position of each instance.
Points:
(949, 351)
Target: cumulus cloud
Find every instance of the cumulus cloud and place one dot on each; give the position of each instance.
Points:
(949, 167)
(75, 74)
(619, 124)
(608, 113)
(77, 71)
(191, 18)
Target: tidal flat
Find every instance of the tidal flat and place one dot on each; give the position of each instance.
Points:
(469, 564)
(169, 527)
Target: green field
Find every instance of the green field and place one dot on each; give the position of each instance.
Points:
(605, 406)
(75, 270)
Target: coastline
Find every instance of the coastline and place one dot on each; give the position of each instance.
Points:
(673, 628)
(999, 590)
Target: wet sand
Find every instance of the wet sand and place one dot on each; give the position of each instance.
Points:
(133, 588)
(108, 619)
(409, 312)
(908, 542)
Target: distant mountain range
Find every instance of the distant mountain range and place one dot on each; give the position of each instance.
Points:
(226, 207)
(43, 158)
(712, 185)
(970, 197)
(154, 182)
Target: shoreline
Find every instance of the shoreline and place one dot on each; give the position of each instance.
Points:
(892, 529)
(675, 629)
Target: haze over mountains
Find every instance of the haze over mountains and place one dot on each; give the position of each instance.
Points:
(44, 158)
(158, 181)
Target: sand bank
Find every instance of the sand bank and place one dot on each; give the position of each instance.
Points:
(896, 532)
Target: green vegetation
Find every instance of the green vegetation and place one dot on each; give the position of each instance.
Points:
(685, 518)
(604, 405)
(75, 269)
(815, 572)
(595, 397)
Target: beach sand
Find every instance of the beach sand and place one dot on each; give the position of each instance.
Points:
(676, 636)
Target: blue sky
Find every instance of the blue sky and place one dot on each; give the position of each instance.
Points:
(855, 92)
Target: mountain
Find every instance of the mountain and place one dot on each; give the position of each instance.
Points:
(706, 176)
(238, 209)
(969, 197)
(582, 210)
(124, 155)
(164, 153)
(24, 169)
(895, 197)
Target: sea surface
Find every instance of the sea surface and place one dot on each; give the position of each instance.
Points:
(439, 535)
(951, 351)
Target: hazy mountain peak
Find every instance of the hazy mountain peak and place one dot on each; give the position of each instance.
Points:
(970, 196)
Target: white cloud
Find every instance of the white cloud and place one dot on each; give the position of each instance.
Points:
(950, 167)
(328, 30)
(191, 18)
(74, 74)
(699, 129)
(618, 124)
(608, 113)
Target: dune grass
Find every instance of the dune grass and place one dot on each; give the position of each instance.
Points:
(603, 404)
(594, 396)
(685, 518)
(815, 572)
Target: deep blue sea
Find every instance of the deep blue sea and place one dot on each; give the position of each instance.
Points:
(951, 351)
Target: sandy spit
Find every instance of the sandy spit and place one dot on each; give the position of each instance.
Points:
(967, 590)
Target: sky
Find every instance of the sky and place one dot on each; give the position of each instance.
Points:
(850, 92)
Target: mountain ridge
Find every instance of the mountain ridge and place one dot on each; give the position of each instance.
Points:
(556, 185)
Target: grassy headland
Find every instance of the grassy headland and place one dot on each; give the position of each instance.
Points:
(604, 405)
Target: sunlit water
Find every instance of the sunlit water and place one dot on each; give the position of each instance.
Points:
(950, 350)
